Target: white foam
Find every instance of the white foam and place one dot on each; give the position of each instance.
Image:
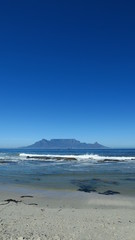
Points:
(85, 157)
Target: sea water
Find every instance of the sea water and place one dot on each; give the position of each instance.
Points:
(106, 171)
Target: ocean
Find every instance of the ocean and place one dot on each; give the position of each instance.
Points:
(104, 171)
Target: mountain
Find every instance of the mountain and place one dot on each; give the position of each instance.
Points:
(64, 144)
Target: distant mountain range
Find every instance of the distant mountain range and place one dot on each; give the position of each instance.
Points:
(64, 144)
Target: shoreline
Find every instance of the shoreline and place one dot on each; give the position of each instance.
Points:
(71, 198)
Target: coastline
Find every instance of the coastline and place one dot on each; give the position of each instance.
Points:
(67, 200)
(67, 215)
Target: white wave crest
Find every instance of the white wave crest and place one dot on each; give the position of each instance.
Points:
(85, 157)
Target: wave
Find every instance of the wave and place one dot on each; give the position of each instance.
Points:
(85, 157)
(7, 158)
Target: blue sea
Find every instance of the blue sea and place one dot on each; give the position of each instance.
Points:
(106, 171)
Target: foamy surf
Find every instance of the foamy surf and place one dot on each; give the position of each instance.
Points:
(85, 157)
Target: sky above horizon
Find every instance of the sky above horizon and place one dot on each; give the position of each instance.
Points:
(67, 70)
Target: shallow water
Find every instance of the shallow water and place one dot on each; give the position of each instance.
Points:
(88, 170)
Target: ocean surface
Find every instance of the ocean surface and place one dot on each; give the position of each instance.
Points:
(107, 171)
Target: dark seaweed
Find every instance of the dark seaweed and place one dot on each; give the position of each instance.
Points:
(91, 185)
(12, 200)
(109, 192)
(87, 189)
(130, 179)
(27, 196)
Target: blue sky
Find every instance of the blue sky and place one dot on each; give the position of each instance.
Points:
(67, 70)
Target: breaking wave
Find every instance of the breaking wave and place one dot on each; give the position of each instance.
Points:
(85, 157)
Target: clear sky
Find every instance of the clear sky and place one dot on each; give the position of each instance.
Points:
(67, 70)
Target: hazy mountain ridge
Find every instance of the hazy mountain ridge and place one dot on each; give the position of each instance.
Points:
(65, 144)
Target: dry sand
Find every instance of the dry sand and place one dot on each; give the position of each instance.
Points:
(76, 216)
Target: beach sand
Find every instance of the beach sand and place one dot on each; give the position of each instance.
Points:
(66, 216)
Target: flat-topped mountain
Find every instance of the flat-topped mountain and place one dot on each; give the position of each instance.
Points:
(64, 144)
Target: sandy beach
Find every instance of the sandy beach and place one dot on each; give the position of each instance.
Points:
(65, 216)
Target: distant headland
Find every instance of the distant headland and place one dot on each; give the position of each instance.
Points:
(64, 144)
